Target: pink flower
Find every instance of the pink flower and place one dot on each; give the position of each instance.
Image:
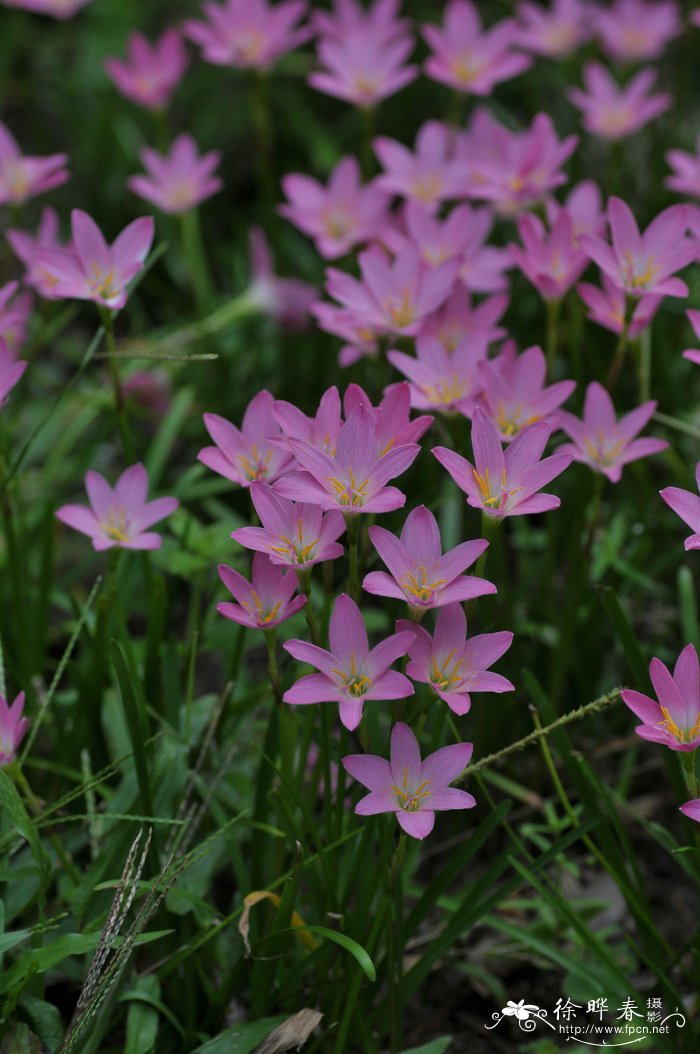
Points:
(687, 506)
(26, 247)
(603, 442)
(453, 665)
(513, 170)
(644, 263)
(361, 339)
(555, 31)
(286, 300)
(469, 58)
(458, 320)
(94, 270)
(584, 206)
(551, 261)
(442, 380)
(362, 68)
(264, 602)
(297, 536)
(321, 430)
(608, 306)
(675, 719)
(505, 483)
(246, 454)
(119, 516)
(62, 9)
(179, 180)
(248, 34)
(379, 20)
(14, 315)
(23, 177)
(686, 171)
(692, 354)
(150, 74)
(350, 674)
(691, 809)
(392, 296)
(391, 419)
(613, 112)
(340, 216)
(151, 390)
(12, 728)
(637, 30)
(11, 370)
(430, 175)
(458, 236)
(413, 789)
(419, 572)
(354, 478)
(514, 393)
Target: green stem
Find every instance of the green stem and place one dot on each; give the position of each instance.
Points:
(119, 400)
(489, 526)
(553, 312)
(311, 620)
(272, 668)
(645, 365)
(260, 109)
(353, 526)
(195, 257)
(619, 356)
(367, 115)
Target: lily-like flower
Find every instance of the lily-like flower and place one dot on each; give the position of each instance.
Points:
(691, 809)
(246, 454)
(391, 419)
(430, 175)
(353, 479)
(469, 58)
(551, 261)
(296, 536)
(505, 483)
(94, 270)
(459, 320)
(150, 73)
(603, 442)
(608, 306)
(338, 216)
(412, 789)
(685, 178)
(11, 370)
(350, 674)
(15, 309)
(264, 602)
(321, 430)
(673, 720)
(23, 177)
(379, 19)
(447, 381)
(454, 665)
(360, 339)
(60, 9)
(644, 263)
(514, 393)
(686, 505)
(286, 300)
(119, 516)
(419, 572)
(637, 30)
(459, 236)
(554, 31)
(613, 112)
(395, 296)
(26, 248)
(362, 68)
(248, 34)
(584, 205)
(12, 728)
(177, 181)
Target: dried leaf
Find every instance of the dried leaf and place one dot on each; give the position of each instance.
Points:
(292, 1034)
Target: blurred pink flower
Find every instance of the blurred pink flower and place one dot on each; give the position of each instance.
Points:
(361, 339)
(554, 31)
(94, 270)
(459, 320)
(119, 516)
(12, 728)
(584, 204)
(150, 73)
(23, 177)
(446, 381)
(264, 602)
(391, 418)
(297, 536)
(338, 216)
(11, 370)
(412, 789)
(452, 664)
(14, 316)
(505, 483)
(248, 34)
(26, 247)
(179, 180)
(354, 478)
(674, 720)
(380, 20)
(393, 296)
(514, 394)
(637, 30)
(350, 674)
(430, 175)
(686, 171)
(691, 809)
(246, 454)
(607, 307)
(469, 58)
(614, 112)
(693, 354)
(321, 430)
(420, 574)
(686, 505)
(149, 389)
(363, 68)
(286, 300)
(603, 442)
(62, 9)
(644, 263)
(550, 260)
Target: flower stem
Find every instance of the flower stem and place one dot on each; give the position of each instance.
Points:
(553, 313)
(619, 356)
(272, 668)
(645, 365)
(311, 620)
(119, 400)
(353, 525)
(193, 251)
(367, 114)
(260, 109)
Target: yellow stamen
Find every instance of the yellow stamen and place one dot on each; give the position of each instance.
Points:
(418, 586)
(682, 735)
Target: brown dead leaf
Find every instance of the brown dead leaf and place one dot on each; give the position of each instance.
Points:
(292, 1034)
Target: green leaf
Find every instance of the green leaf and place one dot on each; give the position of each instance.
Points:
(143, 1018)
(12, 806)
(355, 949)
(243, 1038)
(436, 1046)
(46, 1020)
